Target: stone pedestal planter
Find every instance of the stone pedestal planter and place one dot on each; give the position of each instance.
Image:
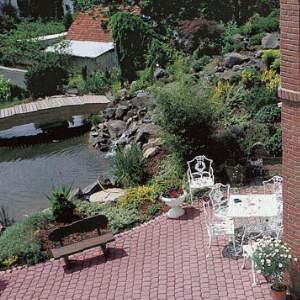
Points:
(176, 211)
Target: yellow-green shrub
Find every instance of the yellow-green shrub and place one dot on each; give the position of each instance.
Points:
(135, 197)
(221, 89)
(271, 79)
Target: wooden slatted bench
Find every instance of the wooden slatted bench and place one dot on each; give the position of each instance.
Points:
(99, 223)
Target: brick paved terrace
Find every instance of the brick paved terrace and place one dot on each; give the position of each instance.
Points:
(163, 259)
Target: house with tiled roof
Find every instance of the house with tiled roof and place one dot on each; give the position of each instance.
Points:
(89, 42)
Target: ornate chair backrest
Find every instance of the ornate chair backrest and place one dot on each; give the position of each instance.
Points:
(219, 197)
(274, 185)
(200, 167)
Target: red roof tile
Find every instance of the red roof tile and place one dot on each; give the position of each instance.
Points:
(87, 26)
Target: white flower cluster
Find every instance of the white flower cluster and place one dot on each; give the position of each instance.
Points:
(272, 257)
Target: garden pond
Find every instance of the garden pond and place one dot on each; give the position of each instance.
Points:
(35, 158)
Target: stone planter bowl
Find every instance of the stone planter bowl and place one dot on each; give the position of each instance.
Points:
(174, 203)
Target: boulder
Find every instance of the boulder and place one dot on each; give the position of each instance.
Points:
(146, 131)
(109, 112)
(234, 58)
(109, 195)
(91, 189)
(124, 94)
(121, 111)
(271, 41)
(154, 142)
(116, 128)
(237, 37)
(229, 75)
(94, 133)
(150, 152)
(105, 182)
(159, 73)
(143, 100)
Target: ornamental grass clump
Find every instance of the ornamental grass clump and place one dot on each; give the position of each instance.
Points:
(62, 208)
(271, 259)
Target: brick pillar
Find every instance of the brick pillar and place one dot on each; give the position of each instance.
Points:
(289, 92)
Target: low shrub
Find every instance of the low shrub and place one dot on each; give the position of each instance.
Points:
(258, 24)
(256, 39)
(153, 210)
(172, 173)
(229, 42)
(62, 208)
(47, 76)
(5, 90)
(119, 217)
(257, 97)
(200, 63)
(271, 58)
(268, 114)
(128, 166)
(136, 197)
(144, 80)
(160, 53)
(19, 243)
(274, 143)
(254, 133)
(97, 83)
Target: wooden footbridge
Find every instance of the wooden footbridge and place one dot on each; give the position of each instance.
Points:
(51, 110)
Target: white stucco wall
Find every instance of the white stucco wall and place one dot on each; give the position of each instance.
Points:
(105, 62)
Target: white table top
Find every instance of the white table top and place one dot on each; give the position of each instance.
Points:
(255, 205)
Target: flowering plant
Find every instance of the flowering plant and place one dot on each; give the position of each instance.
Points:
(174, 192)
(271, 258)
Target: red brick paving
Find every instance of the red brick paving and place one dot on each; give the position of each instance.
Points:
(163, 259)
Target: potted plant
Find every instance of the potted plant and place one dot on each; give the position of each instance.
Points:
(174, 197)
(271, 259)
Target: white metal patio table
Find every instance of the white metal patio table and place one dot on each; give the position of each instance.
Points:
(244, 209)
(252, 206)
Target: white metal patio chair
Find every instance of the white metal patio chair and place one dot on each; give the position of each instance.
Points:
(219, 197)
(217, 226)
(274, 185)
(200, 173)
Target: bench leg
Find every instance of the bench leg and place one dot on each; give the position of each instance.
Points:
(104, 250)
(67, 262)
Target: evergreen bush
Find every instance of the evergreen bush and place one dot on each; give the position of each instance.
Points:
(47, 76)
